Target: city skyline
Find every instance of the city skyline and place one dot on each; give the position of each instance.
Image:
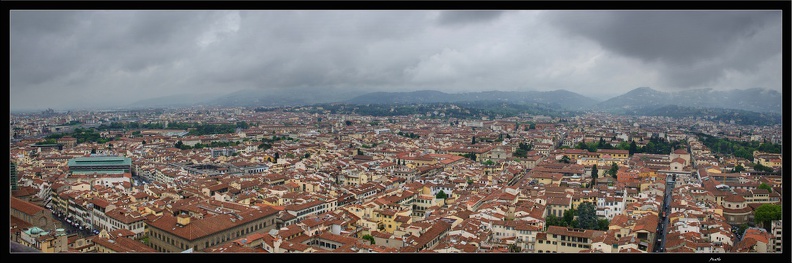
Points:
(101, 59)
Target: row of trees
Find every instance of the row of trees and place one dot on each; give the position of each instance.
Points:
(656, 145)
(613, 171)
(522, 150)
(471, 156)
(82, 136)
(737, 148)
(585, 217)
(205, 129)
(409, 135)
(200, 129)
(757, 167)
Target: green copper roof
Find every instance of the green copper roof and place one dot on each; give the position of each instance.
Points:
(99, 161)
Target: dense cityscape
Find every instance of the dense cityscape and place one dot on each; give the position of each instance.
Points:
(555, 132)
(308, 180)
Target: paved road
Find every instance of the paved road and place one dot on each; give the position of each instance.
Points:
(70, 229)
(662, 228)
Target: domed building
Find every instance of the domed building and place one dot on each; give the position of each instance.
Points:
(736, 209)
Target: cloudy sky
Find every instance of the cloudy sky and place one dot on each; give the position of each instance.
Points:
(69, 59)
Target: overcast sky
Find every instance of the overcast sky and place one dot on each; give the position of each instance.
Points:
(67, 59)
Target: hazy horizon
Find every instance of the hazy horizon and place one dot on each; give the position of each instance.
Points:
(107, 59)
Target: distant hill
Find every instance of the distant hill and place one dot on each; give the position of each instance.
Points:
(646, 99)
(741, 117)
(279, 97)
(563, 99)
(175, 100)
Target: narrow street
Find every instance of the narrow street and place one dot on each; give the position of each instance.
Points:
(70, 228)
(662, 227)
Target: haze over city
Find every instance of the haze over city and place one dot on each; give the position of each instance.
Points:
(103, 59)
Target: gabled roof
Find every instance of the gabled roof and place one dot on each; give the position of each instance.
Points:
(25, 207)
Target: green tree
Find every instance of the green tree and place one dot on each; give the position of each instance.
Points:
(93, 151)
(649, 148)
(489, 163)
(307, 155)
(614, 170)
(179, 144)
(369, 238)
(359, 152)
(602, 224)
(474, 140)
(633, 148)
(569, 215)
(766, 187)
(587, 216)
(761, 168)
(766, 213)
(738, 168)
(623, 146)
(348, 123)
(742, 228)
(522, 150)
(564, 159)
(265, 146)
(594, 175)
(47, 141)
(441, 195)
(552, 220)
(514, 248)
(582, 146)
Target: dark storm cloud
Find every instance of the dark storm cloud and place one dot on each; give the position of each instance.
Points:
(467, 17)
(693, 48)
(111, 58)
(303, 48)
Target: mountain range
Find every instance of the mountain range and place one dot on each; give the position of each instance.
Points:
(642, 99)
(638, 100)
(563, 99)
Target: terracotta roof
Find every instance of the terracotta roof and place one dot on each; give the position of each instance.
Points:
(337, 238)
(436, 230)
(734, 198)
(574, 232)
(25, 207)
(757, 234)
(123, 244)
(203, 227)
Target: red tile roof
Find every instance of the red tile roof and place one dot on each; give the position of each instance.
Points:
(25, 207)
(203, 227)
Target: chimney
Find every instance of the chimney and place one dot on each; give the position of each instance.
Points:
(183, 220)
